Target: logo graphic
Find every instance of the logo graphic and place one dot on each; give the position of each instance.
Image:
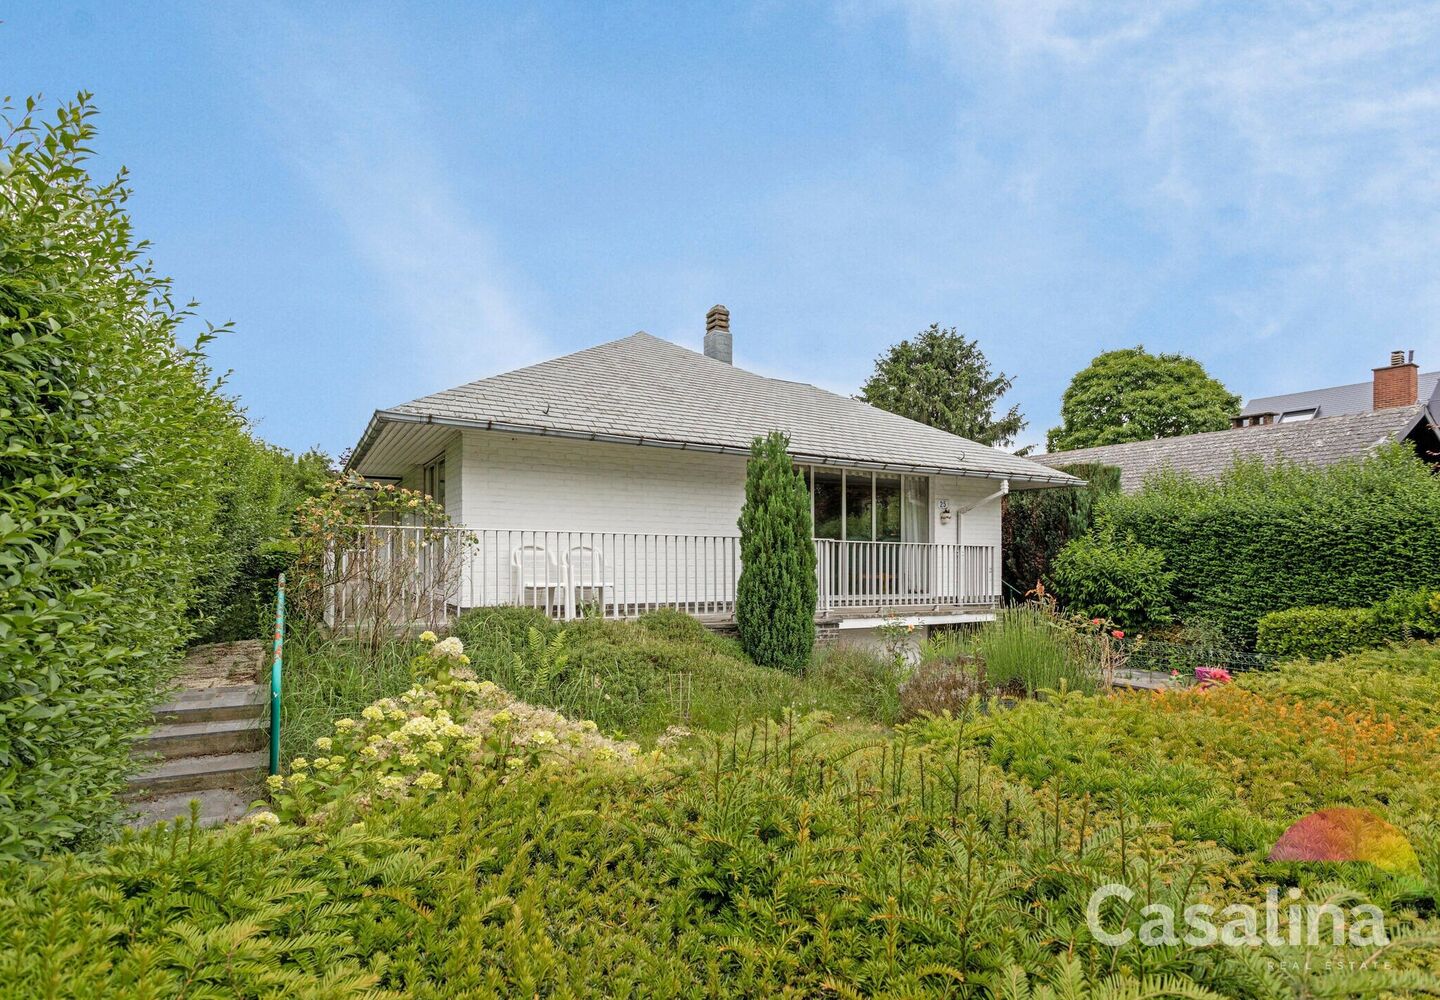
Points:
(1347, 834)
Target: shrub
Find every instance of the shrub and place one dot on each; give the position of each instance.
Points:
(115, 436)
(439, 735)
(253, 540)
(1317, 633)
(776, 594)
(942, 686)
(1105, 577)
(1037, 524)
(796, 859)
(352, 574)
(1264, 539)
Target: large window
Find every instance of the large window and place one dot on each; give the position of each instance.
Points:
(866, 506)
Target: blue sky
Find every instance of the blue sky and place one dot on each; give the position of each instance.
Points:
(391, 199)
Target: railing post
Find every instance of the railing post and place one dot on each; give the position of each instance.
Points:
(275, 672)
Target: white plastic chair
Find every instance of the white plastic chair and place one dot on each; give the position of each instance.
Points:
(536, 570)
(588, 579)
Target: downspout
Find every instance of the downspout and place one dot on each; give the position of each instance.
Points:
(1003, 491)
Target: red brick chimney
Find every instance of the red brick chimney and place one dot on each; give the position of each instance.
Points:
(1398, 383)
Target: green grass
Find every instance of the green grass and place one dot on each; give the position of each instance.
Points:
(327, 678)
(665, 669)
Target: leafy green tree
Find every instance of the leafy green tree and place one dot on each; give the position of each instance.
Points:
(1132, 395)
(775, 597)
(114, 440)
(942, 378)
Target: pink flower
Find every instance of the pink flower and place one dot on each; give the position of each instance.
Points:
(1118, 634)
(1097, 621)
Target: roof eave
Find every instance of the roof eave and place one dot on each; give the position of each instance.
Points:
(381, 417)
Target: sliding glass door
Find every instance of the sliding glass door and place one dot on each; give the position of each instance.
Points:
(862, 506)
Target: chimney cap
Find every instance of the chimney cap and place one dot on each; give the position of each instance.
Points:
(717, 334)
(1397, 358)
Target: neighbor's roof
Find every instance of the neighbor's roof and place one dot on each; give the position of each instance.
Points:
(646, 391)
(1322, 441)
(1336, 400)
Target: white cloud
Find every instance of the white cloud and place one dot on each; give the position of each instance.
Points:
(1292, 145)
(362, 137)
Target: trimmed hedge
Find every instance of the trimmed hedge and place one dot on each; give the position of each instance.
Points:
(1266, 539)
(1317, 633)
(114, 439)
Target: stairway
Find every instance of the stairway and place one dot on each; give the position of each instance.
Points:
(208, 742)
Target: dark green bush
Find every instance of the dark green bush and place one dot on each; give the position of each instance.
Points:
(1265, 539)
(1317, 632)
(776, 594)
(1121, 580)
(1321, 632)
(113, 465)
(1038, 523)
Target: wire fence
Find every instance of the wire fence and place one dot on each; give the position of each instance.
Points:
(1164, 657)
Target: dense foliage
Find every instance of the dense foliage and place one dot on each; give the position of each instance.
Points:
(943, 379)
(1037, 524)
(955, 857)
(1322, 632)
(1263, 539)
(664, 670)
(1133, 395)
(253, 541)
(776, 594)
(115, 438)
(1120, 579)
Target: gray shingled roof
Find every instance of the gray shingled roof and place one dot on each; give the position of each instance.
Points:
(643, 390)
(1335, 400)
(1322, 441)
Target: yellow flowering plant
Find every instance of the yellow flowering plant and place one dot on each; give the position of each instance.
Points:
(446, 731)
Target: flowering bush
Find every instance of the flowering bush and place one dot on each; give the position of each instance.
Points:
(448, 728)
(1212, 675)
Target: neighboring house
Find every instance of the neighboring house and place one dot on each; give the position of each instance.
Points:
(1319, 427)
(614, 478)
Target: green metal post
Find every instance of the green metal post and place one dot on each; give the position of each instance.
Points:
(275, 670)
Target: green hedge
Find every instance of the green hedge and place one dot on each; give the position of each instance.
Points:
(1037, 524)
(113, 438)
(1266, 539)
(1320, 632)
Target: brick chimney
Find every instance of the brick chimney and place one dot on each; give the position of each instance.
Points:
(1398, 383)
(717, 334)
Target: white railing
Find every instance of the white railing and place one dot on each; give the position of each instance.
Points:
(422, 574)
(903, 574)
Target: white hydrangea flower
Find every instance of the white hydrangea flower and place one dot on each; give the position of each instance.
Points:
(450, 648)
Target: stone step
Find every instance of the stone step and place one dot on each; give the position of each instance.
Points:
(193, 774)
(216, 704)
(217, 806)
(198, 739)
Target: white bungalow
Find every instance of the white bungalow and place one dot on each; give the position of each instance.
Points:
(613, 479)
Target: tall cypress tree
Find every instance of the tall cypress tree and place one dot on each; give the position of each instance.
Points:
(775, 598)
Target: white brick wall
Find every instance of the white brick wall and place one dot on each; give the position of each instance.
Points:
(537, 483)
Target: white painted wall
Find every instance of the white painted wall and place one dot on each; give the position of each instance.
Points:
(980, 526)
(527, 482)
